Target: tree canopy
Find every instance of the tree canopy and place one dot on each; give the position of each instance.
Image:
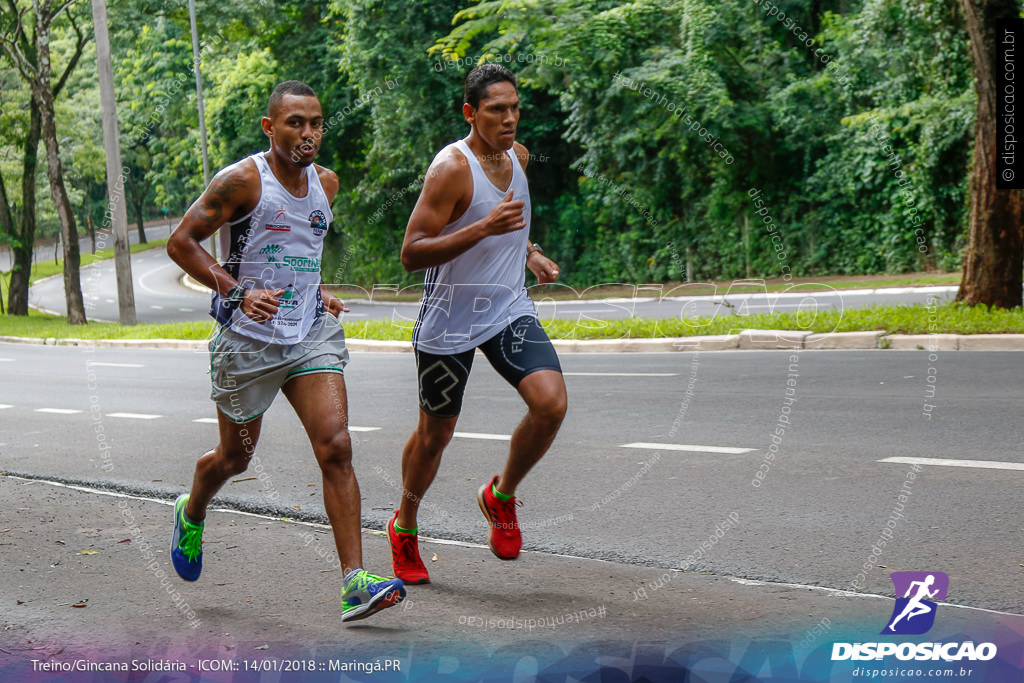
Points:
(670, 139)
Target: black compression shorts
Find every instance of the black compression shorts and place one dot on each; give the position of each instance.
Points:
(520, 349)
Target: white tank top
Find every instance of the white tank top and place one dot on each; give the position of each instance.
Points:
(477, 294)
(278, 246)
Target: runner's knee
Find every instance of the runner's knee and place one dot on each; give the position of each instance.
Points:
(334, 451)
(234, 460)
(550, 407)
(433, 437)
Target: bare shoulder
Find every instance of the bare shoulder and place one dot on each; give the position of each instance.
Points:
(450, 173)
(239, 176)
(449, 164)
(235, 189)
(329, 180)
(521, 153)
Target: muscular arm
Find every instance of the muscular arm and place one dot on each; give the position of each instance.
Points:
(449, 182)
(233, 192)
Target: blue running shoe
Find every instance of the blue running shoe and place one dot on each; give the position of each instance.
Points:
(367, 594)
(187, 543)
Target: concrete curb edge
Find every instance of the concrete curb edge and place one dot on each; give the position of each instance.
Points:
(746, 340)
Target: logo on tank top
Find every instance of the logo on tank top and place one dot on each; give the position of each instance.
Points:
(279, 222)
(318, 221)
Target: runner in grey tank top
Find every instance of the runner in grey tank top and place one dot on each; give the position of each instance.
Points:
(470, 231)
(471, 298)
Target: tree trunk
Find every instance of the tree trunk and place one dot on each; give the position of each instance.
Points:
(142, 227)
(994, 258)
(137, 207)
(43, 92)
(17, 297)
(69, 232)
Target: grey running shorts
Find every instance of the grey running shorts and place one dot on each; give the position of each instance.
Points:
(246, 374)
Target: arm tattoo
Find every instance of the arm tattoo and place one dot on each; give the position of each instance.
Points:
(209, 210)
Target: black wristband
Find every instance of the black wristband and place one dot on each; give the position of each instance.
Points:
(235, 296)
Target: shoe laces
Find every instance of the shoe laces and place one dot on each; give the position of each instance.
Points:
(408, 550)
(191, 543)
(363, 579)
(507, 508)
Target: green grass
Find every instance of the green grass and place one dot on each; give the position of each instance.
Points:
(39, 325)
(947, 318)
(48, 268)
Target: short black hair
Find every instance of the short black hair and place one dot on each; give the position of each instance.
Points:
(286, 88)
(480, 77)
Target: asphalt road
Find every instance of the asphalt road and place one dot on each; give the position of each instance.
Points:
(160, 297)
(825, 498)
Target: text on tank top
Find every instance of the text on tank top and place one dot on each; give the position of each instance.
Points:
(278, 246)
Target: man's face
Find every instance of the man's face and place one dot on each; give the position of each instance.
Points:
(296, 129)
(496, 118)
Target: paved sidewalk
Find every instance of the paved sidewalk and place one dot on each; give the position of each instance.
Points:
(76, 585)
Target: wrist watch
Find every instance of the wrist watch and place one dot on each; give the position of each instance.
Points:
(235, 296)
(532, 248)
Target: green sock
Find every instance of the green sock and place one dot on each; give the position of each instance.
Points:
(405, 531)
(499, 495)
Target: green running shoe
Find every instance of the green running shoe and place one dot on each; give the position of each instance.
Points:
(186, 543)
(367, 594)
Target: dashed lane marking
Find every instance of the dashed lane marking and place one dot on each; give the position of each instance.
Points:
(621, 374)
(687, 447)
(488, 437)
(946, 462)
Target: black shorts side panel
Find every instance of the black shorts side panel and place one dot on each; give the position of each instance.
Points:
(442, 381)
(521, 349)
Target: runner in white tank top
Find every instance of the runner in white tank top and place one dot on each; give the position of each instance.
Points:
(274, 208)
(471, 298)
(470, 230)
(277, 246)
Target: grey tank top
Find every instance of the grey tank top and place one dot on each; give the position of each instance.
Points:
(477, 294)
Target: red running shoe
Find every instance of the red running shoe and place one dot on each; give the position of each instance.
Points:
(503, 536)
(405, 555)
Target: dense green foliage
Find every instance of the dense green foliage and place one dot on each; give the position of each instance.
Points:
(653, 124)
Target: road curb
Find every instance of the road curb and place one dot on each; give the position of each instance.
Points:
(746, 340)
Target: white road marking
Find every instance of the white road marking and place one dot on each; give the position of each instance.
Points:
(159, 308)
(363, 429)
(839, 593)
(57, 411)
(6, 360)
(296, 522)
(142, 279)
(685, 447)
(109, 301)
(207, 420)
(489, 437)
(621, 374)
(945, 462)
(5, 405)
(116, 365)
(185, 310)
(134, 416)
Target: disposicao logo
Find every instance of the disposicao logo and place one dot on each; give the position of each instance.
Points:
(914, 614)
